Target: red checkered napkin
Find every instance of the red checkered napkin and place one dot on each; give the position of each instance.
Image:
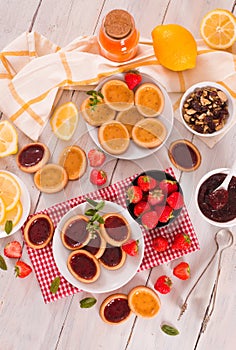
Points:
(45, 266)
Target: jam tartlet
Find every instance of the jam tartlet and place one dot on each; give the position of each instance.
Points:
(51, 178)
(83, 266)
(74, 233)
(113, 258)
(114, 137)
(73, 160)
(117, 95)
(38, 231)
(115, 229)
(96, 115)
(149, 100)
(149, 133)
(96, 245)
(184, 155)
(144, 302)
(32, 157)
(115, 309)
(129, 118)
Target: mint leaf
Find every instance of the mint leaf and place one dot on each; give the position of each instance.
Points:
(3, 264)
(8, 227)
(169, 330)
(92, 202)
(87, 303)
(55, 285)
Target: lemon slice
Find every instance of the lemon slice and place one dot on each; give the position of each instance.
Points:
(9, 190)
(144, 302)
(2, 211)
(14, 214)
(218, 29)
(8, 139)
(64, 120)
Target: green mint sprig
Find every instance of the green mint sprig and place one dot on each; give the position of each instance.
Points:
(95, 218)
(96, 98)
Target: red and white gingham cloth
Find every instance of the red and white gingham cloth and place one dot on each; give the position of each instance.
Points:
(46, 269)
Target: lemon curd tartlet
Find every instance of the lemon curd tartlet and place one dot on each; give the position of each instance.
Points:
(129, 118)
(96, 115)
(51, 178)
(73, 160)
(144, 302)
(117, 95)
(149, 133)
(114, 137)
(149, 100)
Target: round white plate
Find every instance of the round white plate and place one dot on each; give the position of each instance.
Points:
(108, 280)
(166, 117)
(25, 201)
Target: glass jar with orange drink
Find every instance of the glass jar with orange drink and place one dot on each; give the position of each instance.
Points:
(118, 37)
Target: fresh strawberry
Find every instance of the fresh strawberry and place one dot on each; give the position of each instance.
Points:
(141, 207)
(181, 241)
(134, 194)
(166, 214)
(149, 219)
(160, 244)
(155, 197)
(146, 183)
(163, 284)
(182, 271)
(132, 79)
(98, 177)
(159, 209)
(168, 186)
(13, 250)
(175, 200)
(96, 157)
(131, 247)
(22, 269)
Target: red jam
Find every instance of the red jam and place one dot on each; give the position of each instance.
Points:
(94, 244)
(39, 231)
(31, 155)
(83, 266)
(117, 310)
(211, 210)
(184, 155)
(76, 233)
(111, 256)
(116, 228)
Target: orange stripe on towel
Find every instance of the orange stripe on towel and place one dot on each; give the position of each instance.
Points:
(19, 53)
(65, 65)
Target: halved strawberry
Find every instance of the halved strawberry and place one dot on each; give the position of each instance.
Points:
(22, 269)
(98, 177)
(141, 207)
(182, 271)
(96, 157)
(166, 214)
(13, 250)
(132, 79)
(134, 194)
(156, 197)
(149, 219)
(146, 183)
(168, 186)
(130, 247)
(175, 200)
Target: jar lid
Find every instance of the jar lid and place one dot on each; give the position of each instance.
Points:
(118, 24)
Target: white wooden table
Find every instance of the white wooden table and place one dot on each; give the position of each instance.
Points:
(25, 321)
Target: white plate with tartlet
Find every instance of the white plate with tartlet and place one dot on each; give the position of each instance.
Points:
(166, 117)
(108, 280)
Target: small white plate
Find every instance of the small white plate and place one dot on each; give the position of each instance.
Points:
(25, 201)
(108, 280)
(166, 117)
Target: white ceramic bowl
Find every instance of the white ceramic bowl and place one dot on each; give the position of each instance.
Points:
(230, 223)
(230, 107)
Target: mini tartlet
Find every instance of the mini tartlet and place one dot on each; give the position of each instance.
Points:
(115, 309)
(73, 160)
(33, 157)
(113, 257)
(149, 133)
(83, 266)
(114, 137)
(38, 231)
(96, 115)
(129, 118)
(115, 229)
(184, 155)
(149, 100)
(144, 302)
(51, 178)
(74, 233)
(117, 95)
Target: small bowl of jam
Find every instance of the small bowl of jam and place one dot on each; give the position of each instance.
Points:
(217, 215)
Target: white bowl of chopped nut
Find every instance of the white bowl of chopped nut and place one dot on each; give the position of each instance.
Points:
(206, 109)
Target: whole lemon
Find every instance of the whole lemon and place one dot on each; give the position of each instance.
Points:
(174, 47)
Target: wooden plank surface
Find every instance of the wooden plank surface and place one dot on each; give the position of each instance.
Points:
(26, 322)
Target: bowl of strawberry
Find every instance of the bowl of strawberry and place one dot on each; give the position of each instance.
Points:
(154, 199)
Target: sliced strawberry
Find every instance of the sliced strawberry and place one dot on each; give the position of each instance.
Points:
(96, 157)
(163, 284)
(181, 241)
(22, 269)
(13, 250)
(160, 244)
(132, 79)
(166, 214)
(98, 177)
(141, 207)
(155, 197)
(149, 219)
(146, 183)
(168, 186)
(175, 200)
(182, 271)
(131, 247)
(134, 194)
